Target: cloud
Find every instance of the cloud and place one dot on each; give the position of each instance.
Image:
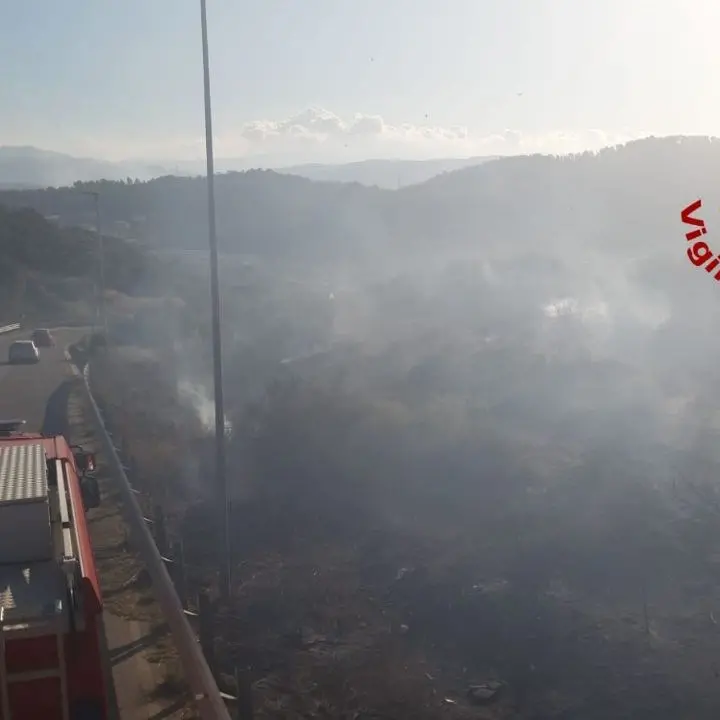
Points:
(324, 127)
(320, 135)
(323, 135)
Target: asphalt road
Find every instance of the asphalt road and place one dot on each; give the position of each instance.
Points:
(31, 392)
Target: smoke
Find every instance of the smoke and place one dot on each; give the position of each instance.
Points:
(588, 300)
(199, 399)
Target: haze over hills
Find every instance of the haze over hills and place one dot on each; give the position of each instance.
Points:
(30, 167)
(390, 174)
(33, 167)
(593, 196)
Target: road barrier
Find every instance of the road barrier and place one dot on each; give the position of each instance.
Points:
(207, 696)
(9, 328)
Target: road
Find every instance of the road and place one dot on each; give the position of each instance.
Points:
(26, 390)
(39, 395)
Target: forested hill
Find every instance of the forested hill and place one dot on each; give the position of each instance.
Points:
(621, 195)
(49, 272)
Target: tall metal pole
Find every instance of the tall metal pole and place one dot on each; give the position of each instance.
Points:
(101, 250)
(221, 482)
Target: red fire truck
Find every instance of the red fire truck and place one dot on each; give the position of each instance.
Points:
(52, 664)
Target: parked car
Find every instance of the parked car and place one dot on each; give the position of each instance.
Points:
(23, 351)
(42, 337)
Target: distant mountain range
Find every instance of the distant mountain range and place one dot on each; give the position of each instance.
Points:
(29, 167)
(389, 174)
(614, 200)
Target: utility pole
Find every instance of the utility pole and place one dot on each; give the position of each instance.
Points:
(100, 308)
(220, 469)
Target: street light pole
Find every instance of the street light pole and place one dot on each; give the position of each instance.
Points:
(100, 310)
(220, 469)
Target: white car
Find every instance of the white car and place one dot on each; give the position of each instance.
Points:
(23, 351)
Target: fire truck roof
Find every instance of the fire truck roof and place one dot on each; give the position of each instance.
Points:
(23, 473)
(32, 586)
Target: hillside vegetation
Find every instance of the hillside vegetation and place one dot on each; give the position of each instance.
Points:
(476, 443)
(49, 272)
(598, 199)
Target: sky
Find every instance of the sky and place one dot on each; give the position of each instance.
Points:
(342, 80)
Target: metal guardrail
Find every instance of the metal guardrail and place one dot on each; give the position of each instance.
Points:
(207, 696)
(9, 328)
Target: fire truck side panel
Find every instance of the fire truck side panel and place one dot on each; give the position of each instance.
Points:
(86, 679)
(93, 596)
(85, 673)
(31, 654)
(35, 699)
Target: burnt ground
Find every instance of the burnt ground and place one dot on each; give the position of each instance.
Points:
(349, 616)
(381, 624)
